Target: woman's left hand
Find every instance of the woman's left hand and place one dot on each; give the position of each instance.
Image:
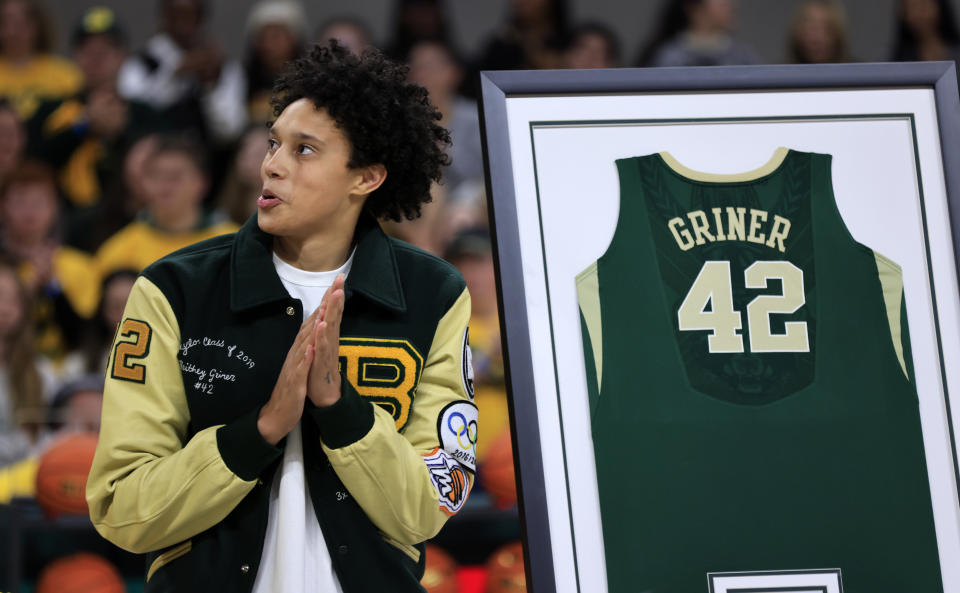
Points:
(323, 383)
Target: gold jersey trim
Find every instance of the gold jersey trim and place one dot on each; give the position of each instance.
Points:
(891, 280)
(769, 167)
(588, 294)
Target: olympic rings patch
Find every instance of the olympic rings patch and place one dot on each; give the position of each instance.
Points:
(457, 431)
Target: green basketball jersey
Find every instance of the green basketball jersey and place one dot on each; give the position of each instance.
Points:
(751, 386)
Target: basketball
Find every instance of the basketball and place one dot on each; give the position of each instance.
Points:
(80, 573)
(496, 473)
(62, 475)
(505, 572)
(440, 573)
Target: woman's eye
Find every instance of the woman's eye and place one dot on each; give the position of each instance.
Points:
(271, 144)
(304, 149)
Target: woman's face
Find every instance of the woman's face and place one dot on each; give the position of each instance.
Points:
(173, 184)
(275, 45)
(432, 67)
(816, 36)
(29, 211)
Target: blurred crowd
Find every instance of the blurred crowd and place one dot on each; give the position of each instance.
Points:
(113, 155)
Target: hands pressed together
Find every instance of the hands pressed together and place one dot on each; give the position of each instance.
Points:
(311, 368)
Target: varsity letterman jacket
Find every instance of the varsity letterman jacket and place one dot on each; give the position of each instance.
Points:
(181, 471)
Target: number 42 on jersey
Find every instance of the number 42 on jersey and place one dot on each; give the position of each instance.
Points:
(709, 306)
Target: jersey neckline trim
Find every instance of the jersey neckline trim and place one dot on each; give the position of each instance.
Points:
(766, 169)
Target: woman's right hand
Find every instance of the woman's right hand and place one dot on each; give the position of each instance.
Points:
(282, 413)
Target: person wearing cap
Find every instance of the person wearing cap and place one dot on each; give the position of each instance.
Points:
(84, 136)
(276, 31)
(30, 71)
(182, 73)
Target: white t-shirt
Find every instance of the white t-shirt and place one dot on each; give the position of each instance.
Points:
(295, 558)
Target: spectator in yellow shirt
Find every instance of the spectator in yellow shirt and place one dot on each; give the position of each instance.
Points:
(61, 281)
(29, 71)
(175, 185)
(84, 137)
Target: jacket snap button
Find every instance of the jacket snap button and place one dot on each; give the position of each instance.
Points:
(245, 568)
(343, 549)
(291, 310)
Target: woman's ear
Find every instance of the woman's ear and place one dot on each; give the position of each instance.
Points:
(371, 177)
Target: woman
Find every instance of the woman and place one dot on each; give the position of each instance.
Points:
(59, 279)
(818, 34)
(240, 342)
(697, 33)
(22, 406)
(926, 30)
(533, 37)
(29, 70)
(275, 35)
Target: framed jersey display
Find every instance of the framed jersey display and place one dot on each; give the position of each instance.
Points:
(731, 317)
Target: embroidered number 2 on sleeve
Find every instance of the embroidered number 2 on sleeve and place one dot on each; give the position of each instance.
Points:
(126, 352)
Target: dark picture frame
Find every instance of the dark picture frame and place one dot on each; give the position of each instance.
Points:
(500, 87)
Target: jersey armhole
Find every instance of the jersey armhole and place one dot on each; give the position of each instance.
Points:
(588, 297)
(891, 283)
(832, 200)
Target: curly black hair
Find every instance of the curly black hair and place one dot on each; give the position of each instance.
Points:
(386, 119)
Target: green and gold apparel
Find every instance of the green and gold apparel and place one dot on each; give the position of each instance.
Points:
(181, 471)
(751, 387)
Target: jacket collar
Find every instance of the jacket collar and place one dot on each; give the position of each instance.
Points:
(374, 274)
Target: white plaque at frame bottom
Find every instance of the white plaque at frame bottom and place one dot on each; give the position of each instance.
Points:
(777, 581)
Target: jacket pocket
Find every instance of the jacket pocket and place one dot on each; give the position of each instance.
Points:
(411, 551)
(168, 557)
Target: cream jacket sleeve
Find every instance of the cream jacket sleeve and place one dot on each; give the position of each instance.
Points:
(150, 486)
(410, 482)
